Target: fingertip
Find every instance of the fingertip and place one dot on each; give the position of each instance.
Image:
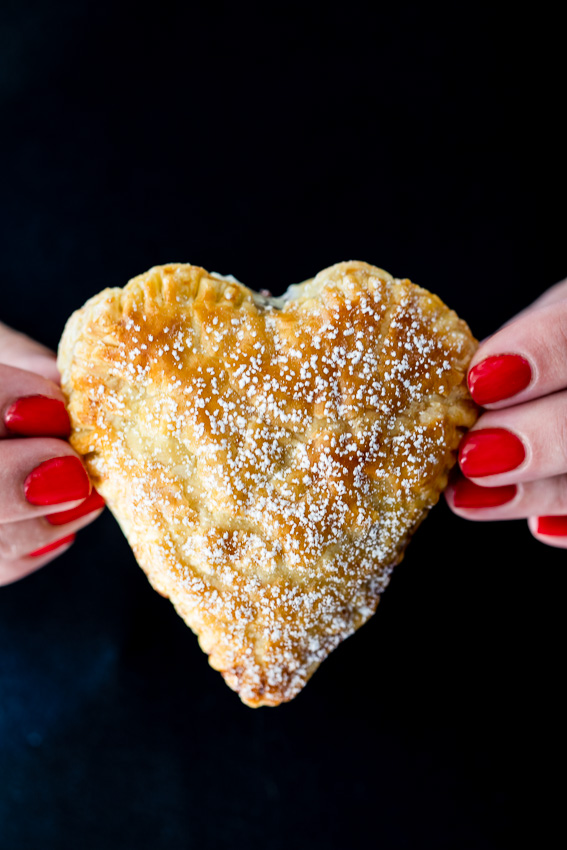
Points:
(465, 494)
(15, 571)
(37, 416)
(61, 544)
(498, 378)
(57, 480)
(92, 503)
(551, 530)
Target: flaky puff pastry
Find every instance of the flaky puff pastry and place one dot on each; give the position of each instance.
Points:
(268, 459)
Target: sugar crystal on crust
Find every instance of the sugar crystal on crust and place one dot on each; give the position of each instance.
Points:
(268, 459)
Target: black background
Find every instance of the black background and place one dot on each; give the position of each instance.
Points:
(270, 144)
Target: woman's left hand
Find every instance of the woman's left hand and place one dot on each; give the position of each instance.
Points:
(514, 461)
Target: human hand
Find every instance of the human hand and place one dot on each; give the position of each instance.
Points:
(515, 457)
(45, 492)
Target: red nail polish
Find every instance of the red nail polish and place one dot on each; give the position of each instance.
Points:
(93, 503)
(466, 494)
(497, 378)
(489, 451)
(51, 546)
(554, 526)
(61, 479)
(38, 416)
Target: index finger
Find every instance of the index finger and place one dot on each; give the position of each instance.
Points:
(19, 350)
(550, 296)
(30, 405)
(525, 359)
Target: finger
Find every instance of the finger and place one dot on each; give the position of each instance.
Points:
(31, 405)
(19, 539)
(516, 444)
(11, 571)
(531, 498)
(22, 352)
(543, 503)
(550, 296)
(555, 293)
(523, 360)
(39, 476)
(551, 530)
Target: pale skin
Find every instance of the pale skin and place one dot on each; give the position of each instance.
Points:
(26, 369)
(537, 415)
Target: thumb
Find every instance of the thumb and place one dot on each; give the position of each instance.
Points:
(22, 352)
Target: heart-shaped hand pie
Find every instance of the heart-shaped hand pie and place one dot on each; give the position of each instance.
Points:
(268, 459)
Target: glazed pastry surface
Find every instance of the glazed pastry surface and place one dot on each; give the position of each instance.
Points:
(268, 459)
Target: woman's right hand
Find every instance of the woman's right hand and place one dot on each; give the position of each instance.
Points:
(45, 492)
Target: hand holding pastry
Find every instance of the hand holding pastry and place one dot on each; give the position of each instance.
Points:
(45, 492)
(515, 457)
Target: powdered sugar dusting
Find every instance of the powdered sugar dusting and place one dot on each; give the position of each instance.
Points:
(269, 460)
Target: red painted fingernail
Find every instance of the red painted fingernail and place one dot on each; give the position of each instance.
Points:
(554, 526)
(51, 546)
(94, 503)
(38, 416)
(489, 451)
(497, 378)
(466, 494)
(61, 479)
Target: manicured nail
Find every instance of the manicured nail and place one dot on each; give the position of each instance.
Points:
(466, 494)
(51, 546)
(93, 503)
(489, 451)
(554, 526)
(38, 416)
(497, 378)
(61, 479)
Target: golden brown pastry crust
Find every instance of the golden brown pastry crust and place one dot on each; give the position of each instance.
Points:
(268, 466)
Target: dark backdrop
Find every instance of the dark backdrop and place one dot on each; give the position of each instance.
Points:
(270, 144)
